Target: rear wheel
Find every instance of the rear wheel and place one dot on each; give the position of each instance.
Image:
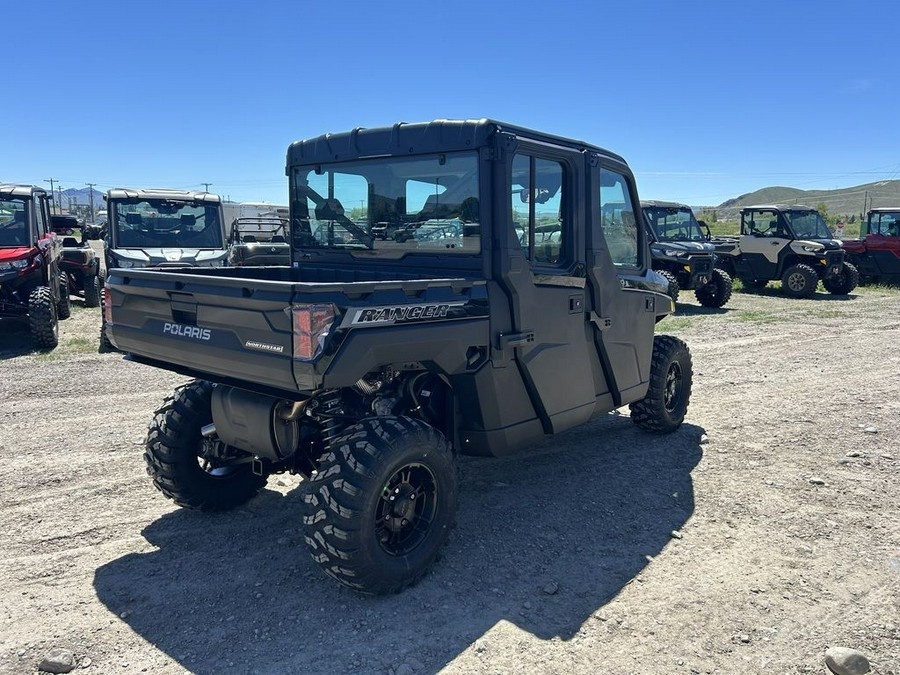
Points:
(799, 281)
(64, 310)
(717, 291)
(92, 290)
(381, 505)
(844, 282)
(674, 287)
(663, 409)
(42, 318)
(185, 466)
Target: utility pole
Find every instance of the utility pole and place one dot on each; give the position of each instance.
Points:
(59, 192)
(51, 181)
(91, 197)
(206, 186)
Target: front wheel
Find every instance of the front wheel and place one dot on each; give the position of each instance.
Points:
(843, 283)
(186, 467)
(663, 409)
(42, 318)
(64, 309)
(799, 281)
(674, 286)
(717, 291)
(381, 504)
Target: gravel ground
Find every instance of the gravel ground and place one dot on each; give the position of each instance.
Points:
(602, 550)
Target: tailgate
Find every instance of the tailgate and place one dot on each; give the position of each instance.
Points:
(230, 327)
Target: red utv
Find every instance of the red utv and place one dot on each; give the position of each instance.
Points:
(31, 285)
(877, 253)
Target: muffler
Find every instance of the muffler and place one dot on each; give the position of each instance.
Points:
(265, 426)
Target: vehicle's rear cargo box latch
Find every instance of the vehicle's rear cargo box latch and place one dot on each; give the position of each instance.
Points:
(184, 308)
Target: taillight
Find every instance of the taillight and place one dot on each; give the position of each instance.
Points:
(311, 324)
(107, 304)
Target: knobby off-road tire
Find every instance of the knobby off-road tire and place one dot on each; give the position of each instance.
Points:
(381, 505)
(64, 311)
(717, 291)
(106, 346)
(799, 281)
(845, 282)
(172, 452)
(42, 318)
(92, 285)
(674, 286)
(663, 409)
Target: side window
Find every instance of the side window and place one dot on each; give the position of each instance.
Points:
(537, 203)
(40, 215)
(617, 219)
(762, 224)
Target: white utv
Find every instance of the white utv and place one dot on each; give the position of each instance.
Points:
(787, 243)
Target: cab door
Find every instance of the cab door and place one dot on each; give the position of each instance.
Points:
(621, 307)
(763, 240)
(545, 285)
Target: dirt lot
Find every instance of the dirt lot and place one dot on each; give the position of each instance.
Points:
(563, 561)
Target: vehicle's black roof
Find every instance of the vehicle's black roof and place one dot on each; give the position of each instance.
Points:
(415, 138)
(778, 207)
(646, 203)
(12, 189)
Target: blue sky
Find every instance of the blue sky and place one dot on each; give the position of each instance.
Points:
(706, 100)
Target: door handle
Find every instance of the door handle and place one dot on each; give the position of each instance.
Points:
(775, 243)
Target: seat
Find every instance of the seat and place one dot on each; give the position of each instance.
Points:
(249, 239)
(188, 221)
(133, 218)
(70, 242)
(278, 239)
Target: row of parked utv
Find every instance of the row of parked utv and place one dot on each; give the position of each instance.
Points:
(174, 228)
(46, 258)
(790, 244)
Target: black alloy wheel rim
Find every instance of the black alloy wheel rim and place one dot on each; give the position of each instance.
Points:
(406, 509)
(672, 397)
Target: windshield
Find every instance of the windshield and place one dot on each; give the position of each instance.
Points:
(808, 225)
(389, 207)
(885, 223)
(14, 222)
(674, 224)
(165, 223)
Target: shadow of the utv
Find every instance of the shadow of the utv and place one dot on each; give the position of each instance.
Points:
(15, 338)
(544, 539)
(776, 292)
(699, 310)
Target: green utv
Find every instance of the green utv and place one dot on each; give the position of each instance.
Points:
(681, 252)
(519, 303)
(788, 243)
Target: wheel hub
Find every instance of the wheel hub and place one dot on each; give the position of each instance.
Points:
(673, 386)
(406, 509)
(796, 281)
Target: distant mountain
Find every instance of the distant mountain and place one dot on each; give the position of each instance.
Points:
(843, 201)
(80, 197)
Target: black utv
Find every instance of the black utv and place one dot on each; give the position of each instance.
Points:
(31, 284)
(681, 252)
(788, 243)
(370, 364)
